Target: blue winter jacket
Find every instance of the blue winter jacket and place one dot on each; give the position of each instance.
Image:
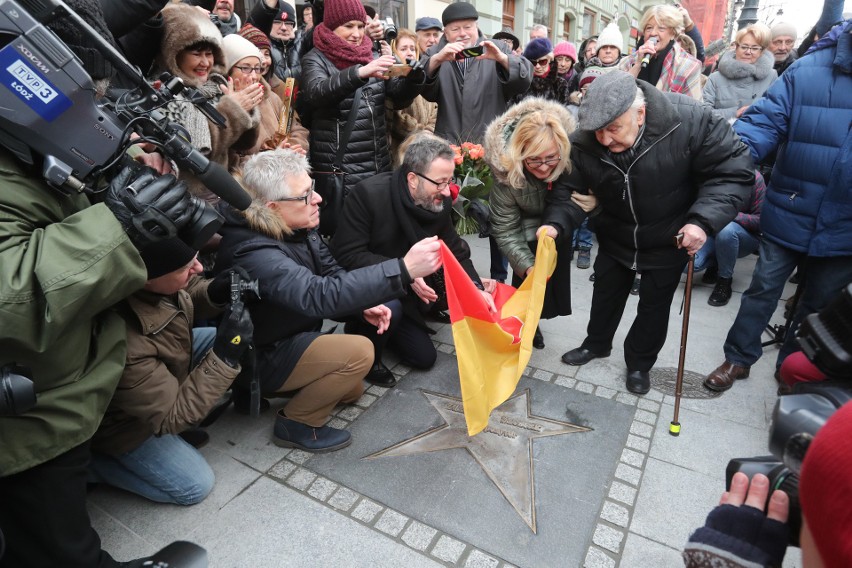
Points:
(807, 116)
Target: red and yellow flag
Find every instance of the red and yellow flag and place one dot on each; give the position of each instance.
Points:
(493, 349)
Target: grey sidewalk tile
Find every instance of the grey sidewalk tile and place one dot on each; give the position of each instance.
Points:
(543, 375)
(597, 558)
(565, 381)
(638, 443)
(632, 458)
(366, 400)
(322, 488)
(640, 552)
(124, 544)
(646, 417)
(377, 390)
(478, 559)
(298, 456)
(615, 514)
(391, 522)
(621, 492)
(301, 479)
(641, 429)
(629, 474)
(605, 392)
(648, 405)
(587, 388)
(448, 549)
(418, 536)
(627, 398)
(343, 499)
(445, 348)
(350, 413)
(282, 469)
(608, 538)
(338, 423)
(366, 511)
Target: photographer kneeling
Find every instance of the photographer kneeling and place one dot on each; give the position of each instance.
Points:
(172, 378)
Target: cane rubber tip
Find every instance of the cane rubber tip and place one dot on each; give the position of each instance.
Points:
(674, 429)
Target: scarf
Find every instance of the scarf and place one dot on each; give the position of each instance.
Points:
(417, 223)
(341, 53)
(652, 72)
(228, 27)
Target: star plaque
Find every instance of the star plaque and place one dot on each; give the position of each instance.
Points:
(503, 449)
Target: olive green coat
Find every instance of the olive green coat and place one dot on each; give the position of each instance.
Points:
(63, 264)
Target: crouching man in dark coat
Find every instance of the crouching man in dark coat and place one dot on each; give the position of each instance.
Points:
(660, 165)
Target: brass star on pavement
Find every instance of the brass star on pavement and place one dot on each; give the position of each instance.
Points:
(503, 449)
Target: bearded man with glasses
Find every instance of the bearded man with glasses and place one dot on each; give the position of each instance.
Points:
(382, 218)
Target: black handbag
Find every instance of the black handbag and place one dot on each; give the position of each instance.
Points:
(332, 185)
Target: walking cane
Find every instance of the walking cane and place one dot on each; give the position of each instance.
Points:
(674, 427)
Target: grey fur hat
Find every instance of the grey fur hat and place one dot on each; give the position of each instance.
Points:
(608, 97)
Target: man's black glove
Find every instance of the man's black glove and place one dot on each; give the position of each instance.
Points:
(219, 289)
(234, 335)
(150, 207)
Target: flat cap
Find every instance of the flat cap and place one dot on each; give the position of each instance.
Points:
(459, 11)
(608, 97)
(508, 35)
(428, 24)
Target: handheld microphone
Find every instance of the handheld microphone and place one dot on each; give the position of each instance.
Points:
(647, 59)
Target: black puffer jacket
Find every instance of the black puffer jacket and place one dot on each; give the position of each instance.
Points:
(330, 93)
(285, 57)
(689, 167)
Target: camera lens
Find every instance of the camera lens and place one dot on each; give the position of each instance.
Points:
(203, 224)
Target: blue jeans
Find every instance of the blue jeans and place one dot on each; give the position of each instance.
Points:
(582, 238)
(723, 250)
(825, 278)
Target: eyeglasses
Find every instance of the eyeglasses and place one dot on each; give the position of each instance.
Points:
(749, 48)
(659, 29)
(306, 198)
(440, 185)
(538, 162)
(247, 69)
(779, 41)
(543, 62)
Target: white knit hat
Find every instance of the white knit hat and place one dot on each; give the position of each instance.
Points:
(236, 47)
(611, 35)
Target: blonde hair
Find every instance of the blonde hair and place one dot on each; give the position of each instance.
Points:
(403, 33)
(535, 133)
(664, 15)
(760, 32)
(687, 44)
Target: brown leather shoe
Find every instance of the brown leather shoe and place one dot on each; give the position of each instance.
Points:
(724, 376)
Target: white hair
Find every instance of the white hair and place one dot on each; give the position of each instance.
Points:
(265, 174)
(639, 101)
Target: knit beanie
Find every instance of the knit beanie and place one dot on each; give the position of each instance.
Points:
(611, 36)
(338, 12)
(166, 256)
(254, 35)
(590, 74)
(825, 489)
(538, 48)
(459, 11)
(287, 13)
(783, 29)
(567, 49)
(236, 48)
(95, 64)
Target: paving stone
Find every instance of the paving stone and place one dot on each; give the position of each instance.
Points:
(648, 405)
(638, 443)
(597, 558)
(322, 488)
(608, 538)
(587, 388)
(565, 381)
(418, 536)
(632, 458)
(401, 370)
(366, 400)
(641, 429)
(350, 413)
(448, 549)
(528, 371)
(298, 456)
(622, 492)
(629, 474)
(640, 552)
(478, 559)
(615, 514)
(646, 417)
(654, 395)
(377, 390)
(343, 499)
(338, 423)
(301, 479)
(605, 392)
(627, 398)
(282, 469)
(366, 511)
(391, 522)
(445, 348)
(543, 375)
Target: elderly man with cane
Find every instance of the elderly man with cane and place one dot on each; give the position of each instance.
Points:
(660, 165)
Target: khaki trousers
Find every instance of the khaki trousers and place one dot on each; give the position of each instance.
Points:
(331, 370)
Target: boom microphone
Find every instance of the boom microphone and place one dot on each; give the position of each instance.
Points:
(647, 59)
(219, 181)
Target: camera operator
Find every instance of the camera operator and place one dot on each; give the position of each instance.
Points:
(738, 533)
(172, 378)
(64, 263)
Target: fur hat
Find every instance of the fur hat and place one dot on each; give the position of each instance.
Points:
(611, 35)
(338, 12)
(608, 97)
(459, 11)
(783, 29)
(287, 13)
(166, 256)
(825, 489)
(185, 26)
(257, 37)
(236, 48)
(567, 49)
(538, 48)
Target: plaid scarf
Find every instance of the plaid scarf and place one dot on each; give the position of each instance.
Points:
(681, 73)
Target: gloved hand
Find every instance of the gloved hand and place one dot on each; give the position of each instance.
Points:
(150, 207)
(219, 289)
(234, 335)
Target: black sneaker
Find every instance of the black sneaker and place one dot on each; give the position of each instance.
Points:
(721, 293)
(381, 376)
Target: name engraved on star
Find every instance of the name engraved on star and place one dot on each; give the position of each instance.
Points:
(501, 433)
(454, 408)
(458, 408)
(521, 424)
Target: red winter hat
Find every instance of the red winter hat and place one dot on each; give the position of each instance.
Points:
(825, 489)
(338, 12)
